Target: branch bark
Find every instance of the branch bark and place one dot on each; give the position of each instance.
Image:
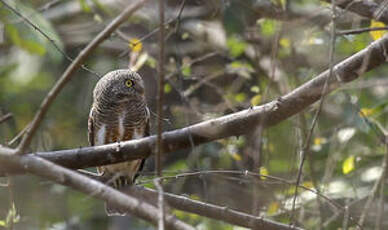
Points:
(230, 125)
(66, 76)
(49, 170)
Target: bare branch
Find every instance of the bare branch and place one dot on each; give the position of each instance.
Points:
(49, 170)
(66, 76)
(210, 210)
(159, 146)
(376, 186)
(217, 212)
(230, 125)
(366, 8)
(306, 147)
(160, 204)
(5, 117)
(361, 30)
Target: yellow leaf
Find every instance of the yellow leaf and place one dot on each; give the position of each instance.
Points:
(273, 207)
(236, 157)
(319, 140)
(256, 100)
(195, 197)
(285, 42)
(379, 33)
(135, 45)
(348, 165)
(365, 112)
(263, 172)
(308, 184)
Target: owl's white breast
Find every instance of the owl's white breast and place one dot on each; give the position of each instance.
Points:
(100, 140)
(121, 126)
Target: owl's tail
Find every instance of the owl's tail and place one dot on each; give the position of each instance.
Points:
(118, 183)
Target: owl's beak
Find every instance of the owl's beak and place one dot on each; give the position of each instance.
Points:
(139, 89)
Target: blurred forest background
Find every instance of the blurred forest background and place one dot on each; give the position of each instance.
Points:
(222, 56)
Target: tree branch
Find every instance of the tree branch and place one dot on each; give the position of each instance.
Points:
(230, 125)
(58, 174)
(159, 140)
(66, 76)
(5, 117)
(209, 210)
(366, 8)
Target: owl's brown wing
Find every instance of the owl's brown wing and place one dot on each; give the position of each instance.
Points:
(146, 134)
(91, 129)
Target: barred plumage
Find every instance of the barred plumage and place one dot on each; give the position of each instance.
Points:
(119, 113)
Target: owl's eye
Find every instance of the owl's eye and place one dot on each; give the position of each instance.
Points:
(129, 83)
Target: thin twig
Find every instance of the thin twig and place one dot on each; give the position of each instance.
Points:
(160, 204)
(380, 207)
(360, 30)
(66, 76)
(377, 184)
(29, 22)
(5, 117)
(248, 173)
(209, 210)
(18, 136)
(123, 37)
(194, 87)
(345, 222)
(48, 5)
(11, 198)
(316, 115)
(159, 146)
(314, 179)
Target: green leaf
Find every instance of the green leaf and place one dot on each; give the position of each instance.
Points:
(268, 27)
(151, 62)
(186, 71)
(348, 165)
(256, 100)
(167, 88)
(255, 89)
(33, 47)
(241, 68)
(2, 223)
(240, 97)
(13, 34)
(263, 172)
(178, 166)
(27, 38)
(236, 46)
(85, 6)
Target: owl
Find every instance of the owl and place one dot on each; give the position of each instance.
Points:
(119, 113)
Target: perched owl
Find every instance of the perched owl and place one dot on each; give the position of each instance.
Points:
(119, 113)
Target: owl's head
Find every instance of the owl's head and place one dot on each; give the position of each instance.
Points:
(118, 85)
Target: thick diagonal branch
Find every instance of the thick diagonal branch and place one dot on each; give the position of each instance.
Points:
(49, 170)
(230, 125)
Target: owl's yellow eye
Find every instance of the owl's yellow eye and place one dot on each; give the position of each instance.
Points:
(129, 83)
